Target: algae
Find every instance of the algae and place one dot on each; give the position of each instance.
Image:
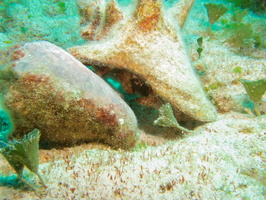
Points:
(255, 90)
(167, 118)
(24, 152)
(215, 11)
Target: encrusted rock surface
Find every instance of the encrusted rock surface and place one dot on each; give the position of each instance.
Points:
(148, 44)
(52, 91)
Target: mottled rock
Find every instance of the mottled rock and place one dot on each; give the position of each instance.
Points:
(148, 44)
(52, 91)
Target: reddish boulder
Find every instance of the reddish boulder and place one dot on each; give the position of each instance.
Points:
(52, 91)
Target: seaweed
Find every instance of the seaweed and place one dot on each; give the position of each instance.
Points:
(24, 152)
(167, 118)
(255, 91)
(243, 33)
(238, 70)
(215, 11)
(240, 34)
(200, 49)
(62, 6)
(253, 5)
(23, 29)
(239, 15)
(216, 85)
(239, 74)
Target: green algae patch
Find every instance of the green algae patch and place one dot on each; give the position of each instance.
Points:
(167, 118)
(255, 91)
(24, 152)
(215, 11)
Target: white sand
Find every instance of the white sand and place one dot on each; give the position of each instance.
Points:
(221, 160)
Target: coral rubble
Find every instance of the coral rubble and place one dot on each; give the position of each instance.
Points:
(68, 103)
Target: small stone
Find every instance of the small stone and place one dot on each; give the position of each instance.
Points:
(68, 103)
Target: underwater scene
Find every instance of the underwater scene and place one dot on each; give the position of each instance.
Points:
(133, 99)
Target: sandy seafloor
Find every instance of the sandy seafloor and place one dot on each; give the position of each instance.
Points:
(225, 159)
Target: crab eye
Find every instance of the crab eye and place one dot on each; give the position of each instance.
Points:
(140, 87)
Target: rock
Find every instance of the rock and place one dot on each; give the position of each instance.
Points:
(148, 44)
(52, 91)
